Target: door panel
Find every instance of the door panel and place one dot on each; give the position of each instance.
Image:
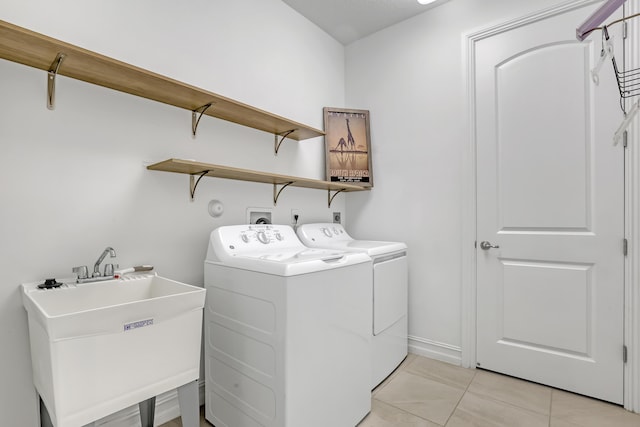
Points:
(550, 194)
(530, 318)
(525, 85)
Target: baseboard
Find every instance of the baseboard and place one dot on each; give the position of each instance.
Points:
(435, 350)
(167, 408)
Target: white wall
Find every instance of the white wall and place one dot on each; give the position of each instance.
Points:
(411, 78)
(74, 181)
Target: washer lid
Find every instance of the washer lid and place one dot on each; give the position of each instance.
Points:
(373, 247)
(334, 236)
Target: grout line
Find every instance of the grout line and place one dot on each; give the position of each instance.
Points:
(403, 368)
(495, 398)
(466, 389)
(551, 405)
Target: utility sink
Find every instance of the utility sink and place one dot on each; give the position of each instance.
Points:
(97, 348)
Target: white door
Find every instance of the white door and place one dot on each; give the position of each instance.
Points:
(550, 195)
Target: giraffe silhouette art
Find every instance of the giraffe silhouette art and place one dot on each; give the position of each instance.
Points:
(350, 139)
(341, 145)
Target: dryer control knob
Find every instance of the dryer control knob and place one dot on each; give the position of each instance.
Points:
(327, 232)
(262, 237)
(245, 238)
(278, 236)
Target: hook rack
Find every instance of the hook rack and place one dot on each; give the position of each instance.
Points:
(51, 80)
(628, 81)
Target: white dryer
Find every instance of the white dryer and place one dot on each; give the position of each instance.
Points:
(389, 291)
(287, 331)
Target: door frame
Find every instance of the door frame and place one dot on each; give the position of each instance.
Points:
(631, 210)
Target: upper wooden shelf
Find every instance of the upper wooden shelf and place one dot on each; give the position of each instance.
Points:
(36, 50)
(194, 168)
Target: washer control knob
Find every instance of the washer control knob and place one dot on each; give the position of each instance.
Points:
(262, 237)
(278, 236)
(245, 238)
(327, 232)
(335, 231)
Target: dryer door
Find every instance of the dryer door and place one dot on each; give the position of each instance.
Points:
(389, 291)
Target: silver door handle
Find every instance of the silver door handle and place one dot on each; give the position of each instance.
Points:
(484, 245)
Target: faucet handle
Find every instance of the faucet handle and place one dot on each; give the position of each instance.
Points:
(82, 271)
(108, 269)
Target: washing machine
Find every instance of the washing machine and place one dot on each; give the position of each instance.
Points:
(388, 291)
(287, 331)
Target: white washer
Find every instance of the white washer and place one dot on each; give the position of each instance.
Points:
(287, 331)
(388, 323)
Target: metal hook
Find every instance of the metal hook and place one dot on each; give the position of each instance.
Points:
(605, 51)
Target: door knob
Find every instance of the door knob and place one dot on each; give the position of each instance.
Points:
(484, 245)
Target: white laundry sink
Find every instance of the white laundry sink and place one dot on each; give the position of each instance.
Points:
(97, 348)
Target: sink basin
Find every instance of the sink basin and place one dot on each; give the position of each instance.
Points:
(97, 348)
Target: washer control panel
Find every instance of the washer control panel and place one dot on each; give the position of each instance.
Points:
(264, 234)
(245, 239)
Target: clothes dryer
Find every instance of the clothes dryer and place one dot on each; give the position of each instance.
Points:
(388, 291)
(287, 331)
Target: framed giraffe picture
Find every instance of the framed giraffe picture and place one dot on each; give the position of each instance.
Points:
(348, 146)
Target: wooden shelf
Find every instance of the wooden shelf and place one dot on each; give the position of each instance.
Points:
(194, 169)
(20, 45)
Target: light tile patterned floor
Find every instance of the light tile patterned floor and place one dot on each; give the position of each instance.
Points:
(427, 393)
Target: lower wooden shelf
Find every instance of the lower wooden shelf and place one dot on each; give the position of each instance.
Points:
(200, 170)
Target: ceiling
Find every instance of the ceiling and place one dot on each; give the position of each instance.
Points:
(350, 20)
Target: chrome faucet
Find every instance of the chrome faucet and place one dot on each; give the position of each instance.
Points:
(96, 266)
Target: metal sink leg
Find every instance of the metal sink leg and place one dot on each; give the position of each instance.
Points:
(45, 418)
(189, 399)
(147, 411)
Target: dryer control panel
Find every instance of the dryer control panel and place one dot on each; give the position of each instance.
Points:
(321, 233)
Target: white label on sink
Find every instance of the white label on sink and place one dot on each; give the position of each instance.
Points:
(139, 324)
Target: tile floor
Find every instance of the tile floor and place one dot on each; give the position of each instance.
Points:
(427, 393)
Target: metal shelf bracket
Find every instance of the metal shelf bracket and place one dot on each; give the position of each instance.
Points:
(196, 115)
(276, 192)
(330, 197)
(283, 135)
(193, 183)
(51, 80)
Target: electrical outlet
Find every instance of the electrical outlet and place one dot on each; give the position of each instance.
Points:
(259, 216)
(336, 217)
(296, 217)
